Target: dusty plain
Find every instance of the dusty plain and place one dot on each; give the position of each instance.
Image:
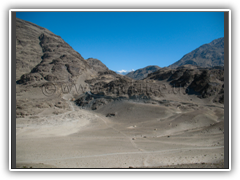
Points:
(139, 135)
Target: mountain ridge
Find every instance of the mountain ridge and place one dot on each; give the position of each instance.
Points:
(207, 55)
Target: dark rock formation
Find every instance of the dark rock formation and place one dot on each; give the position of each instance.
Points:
(204, 82)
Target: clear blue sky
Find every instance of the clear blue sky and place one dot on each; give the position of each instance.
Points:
(132, 40)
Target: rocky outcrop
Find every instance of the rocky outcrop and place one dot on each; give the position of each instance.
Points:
(204, 82)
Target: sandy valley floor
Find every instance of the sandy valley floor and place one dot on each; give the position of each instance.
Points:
(139, 135)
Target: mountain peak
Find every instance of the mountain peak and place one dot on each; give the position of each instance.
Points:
(97, 65)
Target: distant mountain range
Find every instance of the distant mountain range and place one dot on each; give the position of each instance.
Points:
(142, 73)
(207, 55)
(124, 72)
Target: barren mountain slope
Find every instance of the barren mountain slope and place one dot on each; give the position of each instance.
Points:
(207, 55)
(46, 65)
(59, 62)
(28, 49)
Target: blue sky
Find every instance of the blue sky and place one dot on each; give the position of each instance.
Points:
(132, 40)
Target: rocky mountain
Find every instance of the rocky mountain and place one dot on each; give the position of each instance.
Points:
(207, 55)
(45, 63)
(142, 73)
(50, 72)
(43, 56)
